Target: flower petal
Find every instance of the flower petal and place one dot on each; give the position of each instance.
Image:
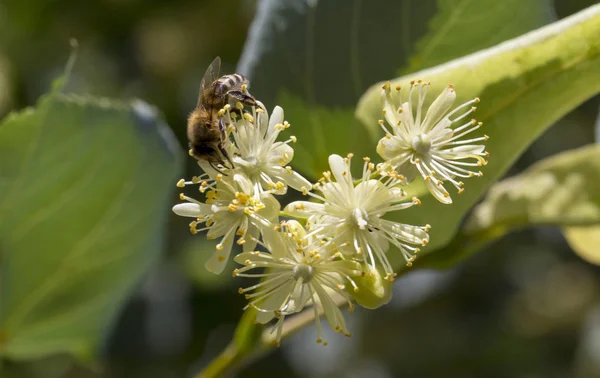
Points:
(251, 238)
(263, 317)
(280, 154)
(290, 177)
(463, 151)
(438, 108)
(244, 183)
(389, 148)
(272, 207)
(390, 114)
(277, 298)
(334, 316)
(192, 210)
(218, 260)
(252, 257)
(438, 192)
(341, 172)
(276, 118)
(275, 242)
(304, 209)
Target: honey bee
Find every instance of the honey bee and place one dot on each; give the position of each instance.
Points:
(207, 133)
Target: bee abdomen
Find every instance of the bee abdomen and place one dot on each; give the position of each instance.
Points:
(229, 82)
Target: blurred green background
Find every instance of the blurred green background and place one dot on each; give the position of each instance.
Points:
(525, 306)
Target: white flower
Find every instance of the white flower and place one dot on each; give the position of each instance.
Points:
(298, 271)
(352, 215)
(429, 144)
(231, 208)
(257, 153)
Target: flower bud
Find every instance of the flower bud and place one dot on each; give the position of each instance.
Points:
(373, 290)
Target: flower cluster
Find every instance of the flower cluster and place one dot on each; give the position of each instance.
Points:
(336, 249)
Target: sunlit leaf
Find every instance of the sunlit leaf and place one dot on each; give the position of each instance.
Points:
(562, 190)
(525, 85)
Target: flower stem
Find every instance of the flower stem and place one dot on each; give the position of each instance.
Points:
(252, 340)
(246, 337)
(222, 364)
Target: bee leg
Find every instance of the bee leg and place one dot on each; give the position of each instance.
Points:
(223, 130)
(213, 165)
(242, 97)
(224, 153)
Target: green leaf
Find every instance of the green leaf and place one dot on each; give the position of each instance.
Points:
(461, 27)
(85, 186)
(525, 85)
(315, 58)
(192, 260)
(321, 132)
(562, 190)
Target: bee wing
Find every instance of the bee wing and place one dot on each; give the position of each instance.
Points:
(211, 74)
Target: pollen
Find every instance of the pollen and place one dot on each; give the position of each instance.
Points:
(181, 183)
(248, 117)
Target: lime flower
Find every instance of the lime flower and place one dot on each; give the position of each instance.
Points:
(298, 271)
(352, 215)
(256, 152)
(231, 208)
(430, 144)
